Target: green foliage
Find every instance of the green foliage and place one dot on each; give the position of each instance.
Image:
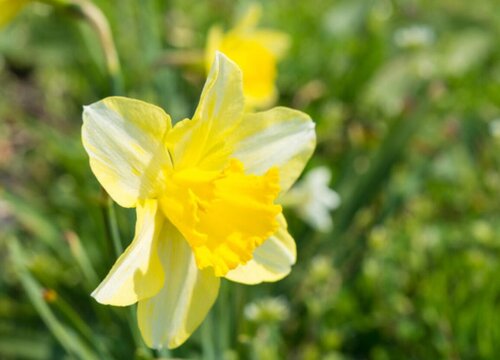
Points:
(405, 94)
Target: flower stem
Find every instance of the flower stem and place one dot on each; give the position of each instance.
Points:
(207, 339)
(96, 19)
(112, 224)
(223, 321)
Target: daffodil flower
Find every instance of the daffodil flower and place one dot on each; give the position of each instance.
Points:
(205, 192)
(256, 51)
(9, 9)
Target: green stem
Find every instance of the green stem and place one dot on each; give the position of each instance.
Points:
(112, 224)
(96, 19)
(223, 319)
(82, 258)
(207, 340)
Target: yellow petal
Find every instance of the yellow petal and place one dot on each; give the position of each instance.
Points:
(257, 64)
(271, 261)
(277, 42)
(137, 274)
(9, 9)
(280, 137)
(256, 60)
(223, 216)
(171, 316)
(201, 141)
(125, 142)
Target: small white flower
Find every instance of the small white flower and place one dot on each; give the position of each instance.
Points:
(414, 36)
(267, 310)
(313, 199)
(495, 128)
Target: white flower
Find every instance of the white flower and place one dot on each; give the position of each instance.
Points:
(313, 199)
(415, 36)
(267, 310)
(495, 128)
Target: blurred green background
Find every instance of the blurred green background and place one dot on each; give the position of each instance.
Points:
(406, 98)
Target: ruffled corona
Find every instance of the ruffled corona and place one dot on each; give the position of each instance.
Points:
(223, 216)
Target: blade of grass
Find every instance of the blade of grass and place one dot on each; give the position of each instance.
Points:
(68, 339)
(82, 258)
(25, 348)
(32, 218)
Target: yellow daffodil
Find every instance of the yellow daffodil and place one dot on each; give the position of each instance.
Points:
(9, 9)
(205, 192)
(256, 51)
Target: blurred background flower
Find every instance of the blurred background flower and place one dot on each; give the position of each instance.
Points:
(313, 199)
(414, 36)
(255, 50)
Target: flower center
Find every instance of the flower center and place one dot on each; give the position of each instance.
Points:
(223, 215)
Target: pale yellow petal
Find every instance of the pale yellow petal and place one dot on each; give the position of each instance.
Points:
(280, 137)
(125, 142)
(171, 316)
(221, 101)
(201, 141)
(137, 274)
(271, 261)
(9, 9)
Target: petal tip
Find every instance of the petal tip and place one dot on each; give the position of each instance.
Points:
(86, 109)
(221, 59)
(219, 54)
(95, 295)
